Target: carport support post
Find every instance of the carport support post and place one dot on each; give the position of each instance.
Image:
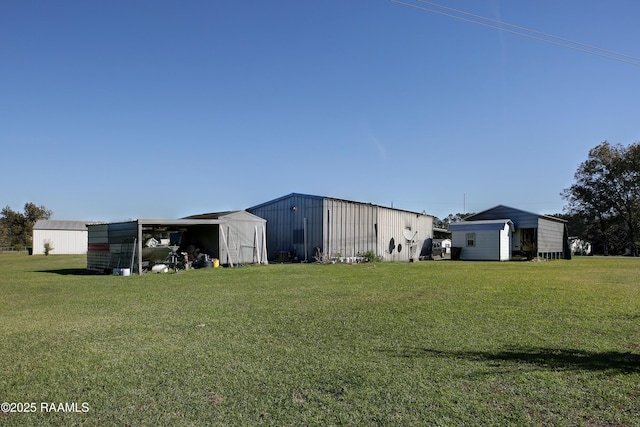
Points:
(139, 249)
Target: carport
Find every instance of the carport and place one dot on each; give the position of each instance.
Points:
(233, 238)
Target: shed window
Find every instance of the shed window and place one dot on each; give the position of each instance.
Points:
(471, 239)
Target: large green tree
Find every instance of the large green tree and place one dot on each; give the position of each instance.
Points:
(607, 191)
(16, 228)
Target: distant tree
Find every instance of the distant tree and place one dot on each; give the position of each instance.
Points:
(607, 192)
(444, 223)
(4, 235)
(18, 227)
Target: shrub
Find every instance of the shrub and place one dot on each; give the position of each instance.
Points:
(47, 248)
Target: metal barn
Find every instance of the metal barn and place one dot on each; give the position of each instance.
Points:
(488, 240)
(65, 237)
(307, 228)
(534, 235)
(232, 237)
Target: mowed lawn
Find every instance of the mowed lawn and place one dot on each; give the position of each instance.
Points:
(430, 343)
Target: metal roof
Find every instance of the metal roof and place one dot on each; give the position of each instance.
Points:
(225, 215)
(552, 218)
(331, 198)
(490, 224)
(50, 224)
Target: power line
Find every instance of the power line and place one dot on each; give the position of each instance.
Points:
(535, 35)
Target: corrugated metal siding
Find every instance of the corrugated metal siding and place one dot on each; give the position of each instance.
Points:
(121, 239)
(63, 241)
(550, 236)
(98, 254)
(285, 225)
(351, 228)
(339, 226)
(391, 225)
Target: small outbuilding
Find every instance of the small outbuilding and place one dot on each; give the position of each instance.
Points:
(533, 235)
(63, 237)
(315, 228)
(233, 238)
(488, 240)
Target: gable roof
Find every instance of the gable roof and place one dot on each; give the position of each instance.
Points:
(308, 196)
(502, 208)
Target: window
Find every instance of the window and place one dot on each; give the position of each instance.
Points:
(471, 239)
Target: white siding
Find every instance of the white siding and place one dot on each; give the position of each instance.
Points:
(62, 241)
(505, 244)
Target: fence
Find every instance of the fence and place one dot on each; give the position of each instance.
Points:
(15, 249)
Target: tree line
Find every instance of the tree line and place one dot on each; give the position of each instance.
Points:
(16, 228)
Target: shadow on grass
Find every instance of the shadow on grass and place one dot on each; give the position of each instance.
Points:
(540, 357)
(70, 272)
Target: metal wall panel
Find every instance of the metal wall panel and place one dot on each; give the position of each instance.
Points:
(392, 223)
(62, 241)
(550, 236)
(286, 225)
(350, 228)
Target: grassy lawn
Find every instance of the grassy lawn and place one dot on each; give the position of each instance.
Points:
(430, 343)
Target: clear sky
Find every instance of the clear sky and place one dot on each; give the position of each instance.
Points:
(119, 109)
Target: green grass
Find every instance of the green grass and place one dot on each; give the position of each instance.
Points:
(429, 343)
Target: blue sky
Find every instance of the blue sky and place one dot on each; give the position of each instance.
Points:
(112, 110)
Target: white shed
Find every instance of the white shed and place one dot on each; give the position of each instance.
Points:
(488, 240)
(65, 237)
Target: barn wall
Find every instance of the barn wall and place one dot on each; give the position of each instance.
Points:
(62, 241)
(121, 243)
(339, 227)
(98, 254)
(391, 225)
(350, 228)
(286, 224)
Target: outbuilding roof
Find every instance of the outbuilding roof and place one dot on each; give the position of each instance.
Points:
(503, 208)
(50, 224)
(309, 196)
(489, 224)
